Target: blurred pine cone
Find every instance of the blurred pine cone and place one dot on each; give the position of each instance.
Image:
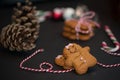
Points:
(24, 30)
(18, 37)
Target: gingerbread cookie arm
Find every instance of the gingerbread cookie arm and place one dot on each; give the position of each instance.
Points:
(59, 60)
(90, 60)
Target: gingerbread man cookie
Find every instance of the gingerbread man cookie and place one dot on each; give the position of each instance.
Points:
(77, 57)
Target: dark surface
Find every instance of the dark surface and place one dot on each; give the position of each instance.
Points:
(53, 42)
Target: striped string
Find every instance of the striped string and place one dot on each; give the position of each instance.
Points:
(41, 69)
(108, 65)
(85, 19)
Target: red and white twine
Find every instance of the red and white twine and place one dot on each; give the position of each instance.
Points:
(50, 69)
(85, 19)
(108, 65)
(41, 69)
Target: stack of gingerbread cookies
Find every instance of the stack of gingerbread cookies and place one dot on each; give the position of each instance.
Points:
(80, 31)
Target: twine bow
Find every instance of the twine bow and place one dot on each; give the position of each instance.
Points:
(86, 19)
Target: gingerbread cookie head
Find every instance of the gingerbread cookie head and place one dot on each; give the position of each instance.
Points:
(71, 49)
(77, 57)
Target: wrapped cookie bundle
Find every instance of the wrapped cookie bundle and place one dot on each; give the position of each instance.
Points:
(77, 57)
(81, 29)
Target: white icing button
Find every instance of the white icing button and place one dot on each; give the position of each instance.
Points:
(81, 58)
(84, 61)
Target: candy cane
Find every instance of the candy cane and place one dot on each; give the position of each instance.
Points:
(111, 53)
(41, 69)
(105, 47)
(110, 50)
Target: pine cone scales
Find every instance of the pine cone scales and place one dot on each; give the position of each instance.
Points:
(22, 33)
(21, 37)
(24, 13)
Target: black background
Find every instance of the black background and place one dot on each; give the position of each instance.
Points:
(53, 42)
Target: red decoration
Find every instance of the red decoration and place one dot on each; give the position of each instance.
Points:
(57, 13)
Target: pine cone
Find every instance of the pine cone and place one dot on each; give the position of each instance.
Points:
(25, 15)
(22, 33)
(18, 37)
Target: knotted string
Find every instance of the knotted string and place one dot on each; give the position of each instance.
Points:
(41, 69)
(86, 19)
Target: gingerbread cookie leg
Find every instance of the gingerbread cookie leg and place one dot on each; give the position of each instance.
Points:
(80, 65)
